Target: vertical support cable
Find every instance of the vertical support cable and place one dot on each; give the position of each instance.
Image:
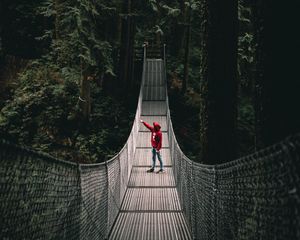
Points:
(192, 201)
(121, 180)
(80, 198)
(215, 226)
(164, 53)
(107, 220)
(145, 53)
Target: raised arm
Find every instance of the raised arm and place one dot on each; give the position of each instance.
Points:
(147, 125)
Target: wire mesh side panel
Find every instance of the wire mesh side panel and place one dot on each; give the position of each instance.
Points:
(177, 164)
(94, 207)
(131, 151)
(265, 194)
(40, 197)
(255, 197)
(203, 203)
(46, 198)
(114, 180)
(123, 158)
(187, 189)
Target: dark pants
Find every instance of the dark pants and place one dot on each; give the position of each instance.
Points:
(154, 153)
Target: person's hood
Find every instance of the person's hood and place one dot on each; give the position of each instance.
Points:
(156, 126)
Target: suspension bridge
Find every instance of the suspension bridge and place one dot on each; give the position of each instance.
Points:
(254, 197)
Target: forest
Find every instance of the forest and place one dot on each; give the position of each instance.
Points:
(70, 73)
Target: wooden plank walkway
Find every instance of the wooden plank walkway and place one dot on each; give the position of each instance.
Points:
(151, 208)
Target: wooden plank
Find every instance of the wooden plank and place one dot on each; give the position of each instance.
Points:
(152, 108)
(144, 140)
(150, 226)
(151, 207)
(141, 199)
(143, 157)
(152, 65)
(154, 78)
(140, 177)
(154, 74)
(155, 93)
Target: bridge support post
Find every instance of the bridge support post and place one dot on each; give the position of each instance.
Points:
(107, 209)
(80, 200)
(215, 227)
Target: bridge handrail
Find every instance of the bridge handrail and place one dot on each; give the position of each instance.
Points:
(43, 197)
(253, 197)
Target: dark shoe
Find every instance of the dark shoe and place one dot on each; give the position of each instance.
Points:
(150, 170)
(160, 171)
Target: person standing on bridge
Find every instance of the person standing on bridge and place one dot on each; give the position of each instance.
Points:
(156, 142)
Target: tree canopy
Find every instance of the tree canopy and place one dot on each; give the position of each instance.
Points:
(66, 63)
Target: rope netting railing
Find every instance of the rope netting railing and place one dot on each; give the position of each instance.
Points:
(254, 197)
(46, 198)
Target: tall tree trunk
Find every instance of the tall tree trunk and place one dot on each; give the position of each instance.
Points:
(126, 53)
(123, 59)
(158, 35)
(263, 79)
(57, 19)
(182, 29)
(85, 97)
(131, 53)
(1, 26)
(1, 49)
(218, 112)
(186, 51)
(126, 48)
(3, 9)
(276, 92)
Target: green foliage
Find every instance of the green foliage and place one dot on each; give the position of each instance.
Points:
(246, 67)
(76, 40)
(44, 114)
(153, 4)
(80, 37)
(173, 12)
(43, 110)
(175, 66)
(246, 131)
(246, 49)
(40, 107)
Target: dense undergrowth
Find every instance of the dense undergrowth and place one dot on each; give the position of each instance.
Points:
(42, 112)
(185, 109)
(71, 39)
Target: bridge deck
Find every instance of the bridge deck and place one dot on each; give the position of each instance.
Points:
(151, 207)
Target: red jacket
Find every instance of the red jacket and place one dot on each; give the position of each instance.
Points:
(156, 135)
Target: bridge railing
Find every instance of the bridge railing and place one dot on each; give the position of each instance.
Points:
(254, 197)
(42, 197)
